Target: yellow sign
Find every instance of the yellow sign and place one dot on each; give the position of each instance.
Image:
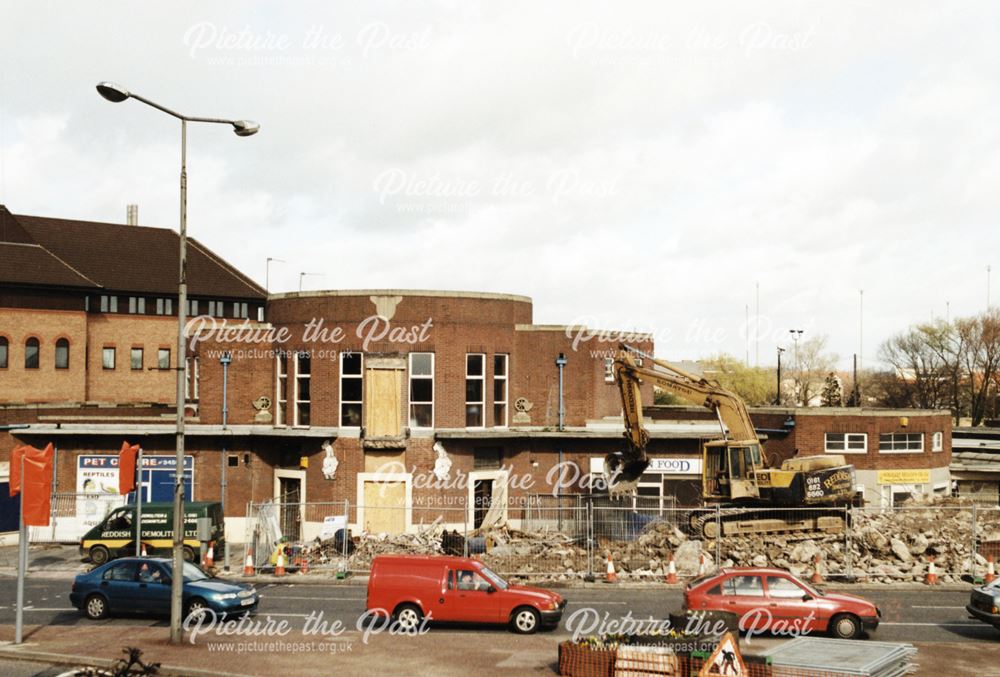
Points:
(903, 476)
(725, 661)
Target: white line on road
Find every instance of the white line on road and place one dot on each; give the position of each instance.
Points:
(583, 601)
(940, 625)
(31, 608)
(315, 599)
(937, 607)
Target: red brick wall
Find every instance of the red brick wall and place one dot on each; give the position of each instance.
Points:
(45, 384)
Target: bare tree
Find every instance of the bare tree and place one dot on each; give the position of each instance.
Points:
(980, 359)
(923, 362)
(812, 365)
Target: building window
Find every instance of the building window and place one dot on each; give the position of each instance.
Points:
(937, 441)
(303, 376)
(846, 443)
(260, 313)
(216, 309)
(164, 306)
(421, 390)
(31, 350)
(192, 308)
(351, 365)
(192, 378)
(135, 358)
(500, 362)
(240, 310)
(4, 350)
(901, 443)
(62, 354)
(163, 358)
(137, 305)
(109, 304)
(108, 358)
(609, 370)
(474, 391)
(281, 387)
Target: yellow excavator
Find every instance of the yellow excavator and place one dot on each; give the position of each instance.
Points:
(733, 468)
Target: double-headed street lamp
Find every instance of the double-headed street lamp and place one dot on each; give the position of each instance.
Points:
(117, 94)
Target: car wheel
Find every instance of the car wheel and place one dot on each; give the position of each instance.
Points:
(845, 626)
(96, 607)
(195, 606)
(99, 555)
(189, 555)
(524, 620)
(407, 617)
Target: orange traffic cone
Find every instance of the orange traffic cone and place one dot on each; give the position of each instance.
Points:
(144, 550)
(817, 578)
(991, 572)
(612, 576)
(248, 566)
(303, 564)
(209, 557)
(279, 569)
(702, 565)
(931, 578)
(672, 571)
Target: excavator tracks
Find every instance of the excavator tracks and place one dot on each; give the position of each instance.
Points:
(740, 522)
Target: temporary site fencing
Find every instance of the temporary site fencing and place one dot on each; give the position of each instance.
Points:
(581, 536)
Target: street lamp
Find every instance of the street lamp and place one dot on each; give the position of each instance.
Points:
(796, 335)
(777, 398)
(117, 94)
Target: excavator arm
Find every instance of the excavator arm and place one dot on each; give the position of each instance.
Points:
(624, 469)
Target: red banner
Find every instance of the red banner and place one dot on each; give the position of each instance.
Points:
(35, 485)
(126, 467)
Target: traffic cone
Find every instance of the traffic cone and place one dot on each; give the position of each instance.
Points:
(248, 566)
(702, 565)
(144, 550)
(817, 578)
(279, 569)
(210, 557)
(672, 571)
(991, 573)
(612, 576)
(303, 564)
(931, 578)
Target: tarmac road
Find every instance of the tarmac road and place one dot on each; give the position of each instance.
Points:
(909, 615)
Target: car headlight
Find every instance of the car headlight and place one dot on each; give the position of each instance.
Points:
(224, 595)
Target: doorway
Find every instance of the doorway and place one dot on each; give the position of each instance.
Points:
(290, 495)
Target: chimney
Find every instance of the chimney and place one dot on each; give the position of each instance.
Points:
(132, 215)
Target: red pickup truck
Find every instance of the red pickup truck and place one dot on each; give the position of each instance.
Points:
(411, 588)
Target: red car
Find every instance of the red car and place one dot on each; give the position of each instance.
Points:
(773, 600)
(455, 589)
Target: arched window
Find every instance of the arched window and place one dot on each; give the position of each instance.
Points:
(31, 354)
(62, 354)
(3, 352)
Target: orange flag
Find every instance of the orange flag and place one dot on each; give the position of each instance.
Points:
(126, 467)
(36, 483)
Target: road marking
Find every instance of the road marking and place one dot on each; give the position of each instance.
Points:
(268, 613)
(583, 601)
(316, 599)
(31, 608)
(939, 625)
(937, 607)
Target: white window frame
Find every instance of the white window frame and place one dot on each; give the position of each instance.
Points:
(845, 449)
(481, 378)
(192, 307)
(192, 379)
(506, 390)
(260, 313)
(114, 358)
(340, 391)
(937, 442)
(131, 358)
(609, 370)
(280, 405)
(239, 310)
(159, 358)
(295, 393)
(409, 391)
(883, 450)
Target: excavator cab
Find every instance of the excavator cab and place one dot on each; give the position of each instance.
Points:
(729, 469)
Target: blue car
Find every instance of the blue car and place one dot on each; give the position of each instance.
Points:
(142, 585)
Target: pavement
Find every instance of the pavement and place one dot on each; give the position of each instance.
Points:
(933, 619)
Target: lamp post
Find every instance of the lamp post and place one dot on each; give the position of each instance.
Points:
(116, 94)
(796, 335)
(225, 360)
(777, 398)
(561, 363)
(267, 272)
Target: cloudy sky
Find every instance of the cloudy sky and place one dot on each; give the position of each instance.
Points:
(641, 166)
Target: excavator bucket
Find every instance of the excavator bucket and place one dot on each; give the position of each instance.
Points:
(623, 472)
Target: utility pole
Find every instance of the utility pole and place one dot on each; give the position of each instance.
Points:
(796, 335)
(756, 330)
(777, 398)
(226, 358)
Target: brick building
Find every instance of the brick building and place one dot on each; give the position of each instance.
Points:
(896, 453)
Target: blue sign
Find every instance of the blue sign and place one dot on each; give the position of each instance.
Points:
(99, 474)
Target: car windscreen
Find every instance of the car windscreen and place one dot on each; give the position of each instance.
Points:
(191, 572)
(495, 577)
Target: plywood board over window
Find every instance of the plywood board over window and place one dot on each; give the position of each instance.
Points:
(383, 397)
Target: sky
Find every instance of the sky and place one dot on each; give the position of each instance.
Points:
(633, 165)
